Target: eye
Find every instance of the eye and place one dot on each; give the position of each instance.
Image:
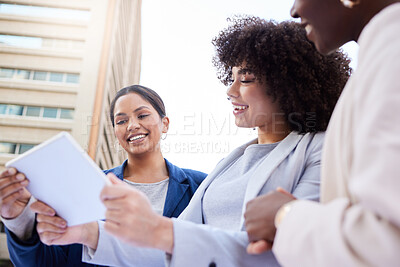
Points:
(120, 122)
(142, 116)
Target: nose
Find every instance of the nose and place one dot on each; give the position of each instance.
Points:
(133, 125)
(233, 90)
(293, 11)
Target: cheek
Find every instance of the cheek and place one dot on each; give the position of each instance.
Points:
(119, 133)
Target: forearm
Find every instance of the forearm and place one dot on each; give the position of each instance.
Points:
(199, 245)
(113, 252)
(338, 234)
(22, 226)
(33, 253)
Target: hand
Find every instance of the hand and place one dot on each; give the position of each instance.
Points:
(53, 229)
(131, 218)
(13, 195)
(259, 219)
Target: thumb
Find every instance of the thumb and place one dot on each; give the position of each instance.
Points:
(113, 179)
(258, 247)
(283, 191)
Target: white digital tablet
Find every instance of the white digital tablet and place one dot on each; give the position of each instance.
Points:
(62, 175)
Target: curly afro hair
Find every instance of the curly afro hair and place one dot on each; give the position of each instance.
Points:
(305, 83)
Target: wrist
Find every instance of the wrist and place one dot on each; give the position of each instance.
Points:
(164, 235)
(90, 237)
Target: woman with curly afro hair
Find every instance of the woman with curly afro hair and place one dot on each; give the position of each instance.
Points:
(280, 85)
(304, 83)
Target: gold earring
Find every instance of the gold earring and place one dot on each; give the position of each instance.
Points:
(350, 3)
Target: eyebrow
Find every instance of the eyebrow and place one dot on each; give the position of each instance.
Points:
(136, 110)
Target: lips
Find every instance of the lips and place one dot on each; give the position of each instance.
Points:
(136, 138)
(239, 108)
(307, 27)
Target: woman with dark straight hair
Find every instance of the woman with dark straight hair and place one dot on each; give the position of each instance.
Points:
(139, 119)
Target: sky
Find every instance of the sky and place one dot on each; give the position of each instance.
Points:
(177, 63)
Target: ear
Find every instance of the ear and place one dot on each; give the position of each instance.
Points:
(165, 122)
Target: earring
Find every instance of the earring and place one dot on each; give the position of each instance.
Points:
(350, 3)
(163, 136)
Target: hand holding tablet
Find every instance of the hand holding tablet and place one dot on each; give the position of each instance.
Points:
(63, 176)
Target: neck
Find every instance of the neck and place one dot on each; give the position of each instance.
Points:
(146, 168)
(370, 8)
(278, 133)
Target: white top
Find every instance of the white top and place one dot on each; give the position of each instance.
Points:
(223, 199)
(156, 192)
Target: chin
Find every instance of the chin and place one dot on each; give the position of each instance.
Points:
(244, 125)
(324, 49)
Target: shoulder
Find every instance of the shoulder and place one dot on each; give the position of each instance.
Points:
(310, 145)
(182, 175)
(315, 144)
(314, 140)
(196, 176)
(118, 171)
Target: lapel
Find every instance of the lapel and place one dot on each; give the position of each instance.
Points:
(194, 211)
(177, 188)
(269, 164)
(118, 171)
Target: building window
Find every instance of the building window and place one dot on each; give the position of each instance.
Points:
(72, 78)
(3, 108)
(67, 114)
(15, 110)
(14, 148)
(7, 148)
(32, 111)
(6, 73)
(40, 43)
(50, 113)
(40, 112)
(40, 75)
(24, 147)
(56, 77)
(23, 74)
(48, 12)
(20, 41)
(43, 76)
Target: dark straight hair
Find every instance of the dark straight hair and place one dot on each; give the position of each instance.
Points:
(146, 93)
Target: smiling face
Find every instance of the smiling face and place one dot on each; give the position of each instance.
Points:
(138, 127)
(328, 23)
(252, 106)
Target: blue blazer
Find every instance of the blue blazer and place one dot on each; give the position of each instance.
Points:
(182, 185)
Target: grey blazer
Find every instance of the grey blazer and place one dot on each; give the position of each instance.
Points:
(293, 165)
